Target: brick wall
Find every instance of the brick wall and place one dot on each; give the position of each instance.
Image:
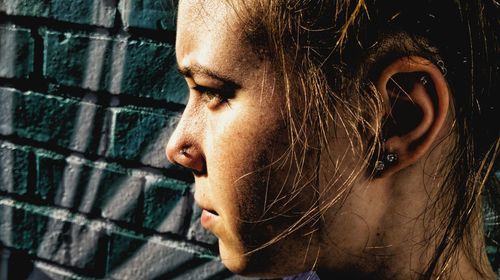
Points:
(88, 98)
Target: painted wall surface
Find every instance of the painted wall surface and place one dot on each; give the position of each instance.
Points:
(89, 95)
(88, 98)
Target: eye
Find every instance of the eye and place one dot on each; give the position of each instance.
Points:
(212, 96)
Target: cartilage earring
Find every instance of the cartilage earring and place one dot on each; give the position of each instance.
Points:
(423, 80)
(441, 66)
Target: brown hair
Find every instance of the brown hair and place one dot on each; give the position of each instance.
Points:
(330, 52)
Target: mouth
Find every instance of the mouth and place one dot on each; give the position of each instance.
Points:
(208, 217)
(213, 212)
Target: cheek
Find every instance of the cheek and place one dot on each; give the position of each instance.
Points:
(255, 190)
(255, 178)
(242, 145)
(243, 142)
(244, 138)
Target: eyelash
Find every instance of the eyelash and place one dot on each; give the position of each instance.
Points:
(212, 94)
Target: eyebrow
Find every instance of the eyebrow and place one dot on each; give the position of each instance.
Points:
(196, 69)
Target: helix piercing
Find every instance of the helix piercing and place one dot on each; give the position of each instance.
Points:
(423, 80)
(441, 66)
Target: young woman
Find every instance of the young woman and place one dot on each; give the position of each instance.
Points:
(352, 138)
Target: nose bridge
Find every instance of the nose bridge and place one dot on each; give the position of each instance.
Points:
(185, 144)
(176, 139)
(180, 136)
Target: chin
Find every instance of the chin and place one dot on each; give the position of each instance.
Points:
(234, 259)
(240, 263)
(241, 267)
(261, 263)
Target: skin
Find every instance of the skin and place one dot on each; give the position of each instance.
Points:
(232, 143)
(234, 137)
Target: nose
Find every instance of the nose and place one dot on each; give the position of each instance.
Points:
(184, 147)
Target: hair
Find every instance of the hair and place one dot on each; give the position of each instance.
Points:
(331, 51)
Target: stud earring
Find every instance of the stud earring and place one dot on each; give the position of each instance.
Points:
(387, 161)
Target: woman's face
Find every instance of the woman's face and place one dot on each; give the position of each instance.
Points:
(233, 136)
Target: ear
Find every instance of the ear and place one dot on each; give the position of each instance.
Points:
(417, 102)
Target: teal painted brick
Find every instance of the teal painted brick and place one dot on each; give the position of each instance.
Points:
(49, 174)
(101, 12)
(16, 231)
(14, 165)
(71, 243)
(119, 66)
(93, 12)
(45, 118)
(16, 52)
(140, 257)
(149, 14)
(167, 205)
(8, 110)
(68, 59)
(88, 187)
(25, 7)
(55, 235)
(68, 123)
(139, 135)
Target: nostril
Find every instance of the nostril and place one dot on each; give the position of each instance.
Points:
(187, 156)
(192, 158)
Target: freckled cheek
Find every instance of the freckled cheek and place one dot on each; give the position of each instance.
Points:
(240, 146)
(241, 133)
(234, 154)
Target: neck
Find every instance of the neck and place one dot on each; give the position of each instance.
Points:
(395, 232)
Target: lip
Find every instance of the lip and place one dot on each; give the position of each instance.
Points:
(208, 218)
(208, 215)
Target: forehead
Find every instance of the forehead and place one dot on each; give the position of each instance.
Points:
(207, 14)
(208, 31)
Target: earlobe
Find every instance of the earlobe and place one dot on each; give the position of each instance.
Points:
(416, 99)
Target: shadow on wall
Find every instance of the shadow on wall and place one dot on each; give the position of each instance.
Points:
(11, 261)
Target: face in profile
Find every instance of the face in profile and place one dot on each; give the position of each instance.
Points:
(234, 138)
